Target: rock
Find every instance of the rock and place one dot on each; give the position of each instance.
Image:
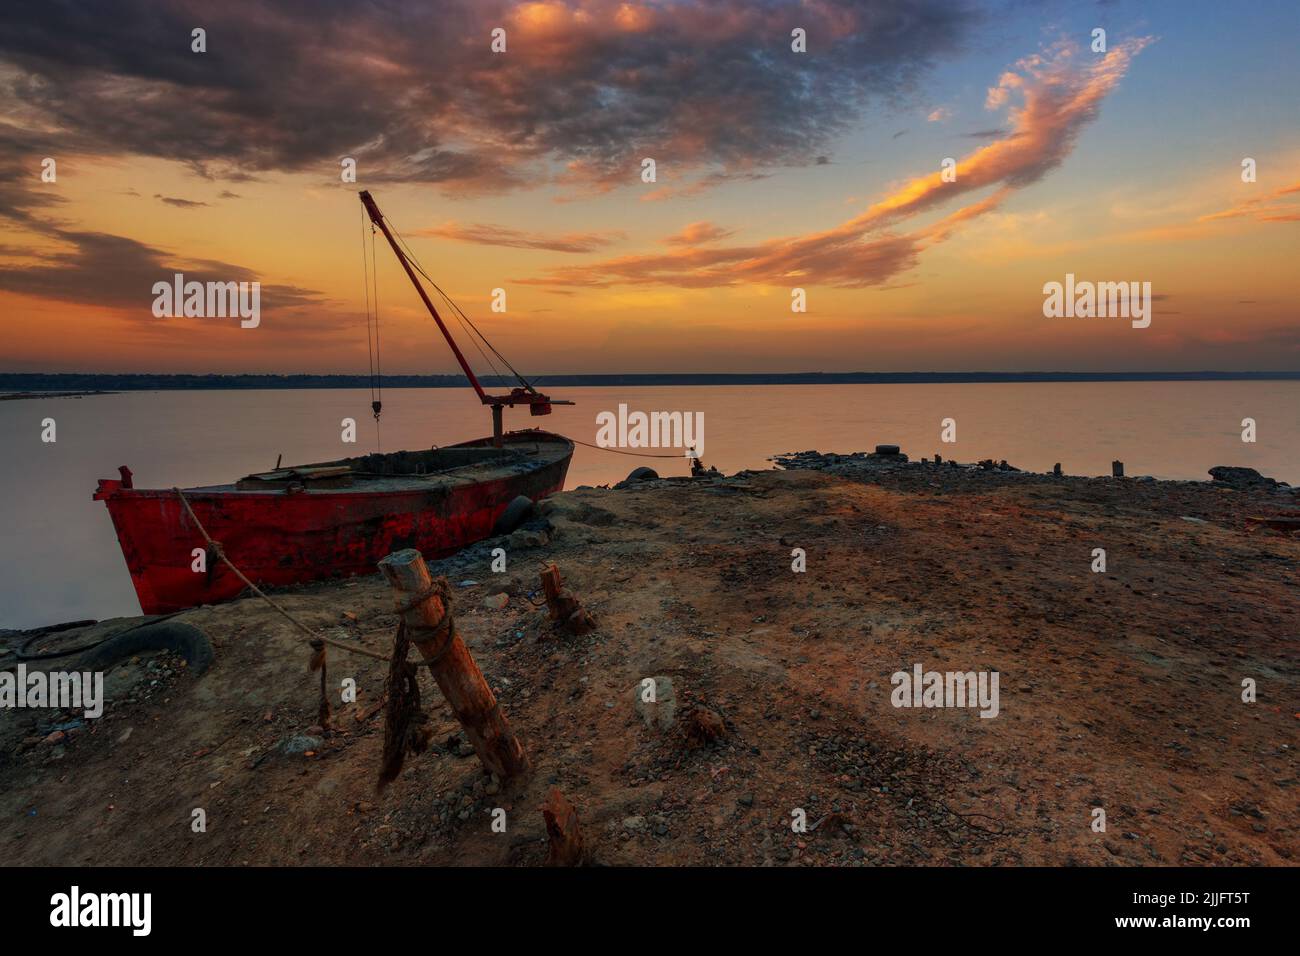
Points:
(887, 449)
(495, 602)
(54, 738)
(663, 710)
(634, 823)
(1241, 478)
(300, 744)
(703, 726)
(528, 538)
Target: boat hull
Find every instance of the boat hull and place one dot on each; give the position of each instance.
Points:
(277, 538)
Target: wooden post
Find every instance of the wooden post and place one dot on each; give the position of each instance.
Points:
(566, 610)
(562, 831)
(458, 677)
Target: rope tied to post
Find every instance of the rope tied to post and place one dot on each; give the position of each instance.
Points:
(406, 726)
(443, 630)
(214, 548)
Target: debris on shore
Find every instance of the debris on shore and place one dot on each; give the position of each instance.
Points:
(771, 703)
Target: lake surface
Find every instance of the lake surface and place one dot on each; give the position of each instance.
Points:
(61, 560)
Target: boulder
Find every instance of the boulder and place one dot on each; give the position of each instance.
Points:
(1241, 478)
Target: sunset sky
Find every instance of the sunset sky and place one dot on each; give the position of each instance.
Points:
(775, 169)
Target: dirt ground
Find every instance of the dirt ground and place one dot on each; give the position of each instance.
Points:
(1119, 690)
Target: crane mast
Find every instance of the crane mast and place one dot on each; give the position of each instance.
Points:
(538, 404)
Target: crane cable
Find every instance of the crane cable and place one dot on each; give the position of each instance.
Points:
(372, 342)
(469, 328)
(460, 313)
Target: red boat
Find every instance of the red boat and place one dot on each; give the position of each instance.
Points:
(334, 519)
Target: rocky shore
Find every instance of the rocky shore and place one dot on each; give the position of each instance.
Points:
(782, 603)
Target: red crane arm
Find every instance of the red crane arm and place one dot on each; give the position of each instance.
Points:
(377, 218)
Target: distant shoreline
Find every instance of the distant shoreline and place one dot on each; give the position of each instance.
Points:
(73, 382)
(18, 396)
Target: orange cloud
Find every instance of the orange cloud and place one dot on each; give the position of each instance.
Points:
(1276, 206)
(697, 233)
(489, 235)
(1058, 98)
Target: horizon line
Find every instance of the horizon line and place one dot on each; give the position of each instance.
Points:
(214, 380)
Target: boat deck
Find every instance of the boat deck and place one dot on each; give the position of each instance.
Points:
(402, 471)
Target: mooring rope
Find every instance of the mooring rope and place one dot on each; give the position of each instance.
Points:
(619, 451)
(439, 588)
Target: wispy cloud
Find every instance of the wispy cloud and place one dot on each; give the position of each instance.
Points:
(88, 267)
(1278, 205)
(179, 203)
(697, 233)
(1049, 100)
(100, 269)
(489, 235)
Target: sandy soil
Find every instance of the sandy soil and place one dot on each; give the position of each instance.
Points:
(1120, 690)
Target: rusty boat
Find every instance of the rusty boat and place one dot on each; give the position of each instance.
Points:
(297, 524)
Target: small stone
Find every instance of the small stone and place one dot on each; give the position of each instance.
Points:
(300, 744)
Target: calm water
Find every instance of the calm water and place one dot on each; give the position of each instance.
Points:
(60, 555)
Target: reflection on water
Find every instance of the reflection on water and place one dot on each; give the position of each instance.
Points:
(61, 559)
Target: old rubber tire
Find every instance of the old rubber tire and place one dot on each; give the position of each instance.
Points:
(642, 474)
(185, 639)
(516, 513)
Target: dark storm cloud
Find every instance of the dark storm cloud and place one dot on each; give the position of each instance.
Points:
(415, 94)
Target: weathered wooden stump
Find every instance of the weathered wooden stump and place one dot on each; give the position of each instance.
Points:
(455, 671)
(562, 831)
(566, 610)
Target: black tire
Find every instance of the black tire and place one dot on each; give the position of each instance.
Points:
(516, 513)
(642, 474)
(185, 639)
